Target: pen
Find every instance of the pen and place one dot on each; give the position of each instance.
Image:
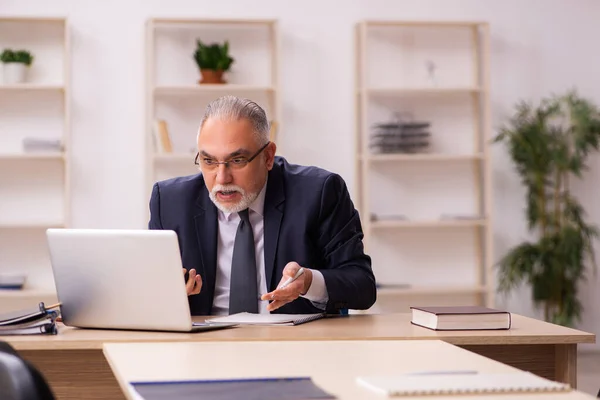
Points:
(292, 279)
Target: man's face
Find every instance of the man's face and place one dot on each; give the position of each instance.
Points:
(233, 187)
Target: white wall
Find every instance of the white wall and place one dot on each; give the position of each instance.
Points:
(538, 46)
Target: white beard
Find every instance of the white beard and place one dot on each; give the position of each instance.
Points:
(246, 200)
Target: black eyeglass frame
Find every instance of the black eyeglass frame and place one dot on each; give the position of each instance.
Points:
(226, 163)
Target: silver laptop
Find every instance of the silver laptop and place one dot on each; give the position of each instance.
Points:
(121, 279)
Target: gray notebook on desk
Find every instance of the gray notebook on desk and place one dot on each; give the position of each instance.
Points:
(233, 389)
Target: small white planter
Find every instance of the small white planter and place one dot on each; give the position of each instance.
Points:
(14, 73)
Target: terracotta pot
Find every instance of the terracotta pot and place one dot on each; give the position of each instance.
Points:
(211, 76)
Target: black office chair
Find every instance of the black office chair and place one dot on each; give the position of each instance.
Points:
(7, 348)
(19, 380)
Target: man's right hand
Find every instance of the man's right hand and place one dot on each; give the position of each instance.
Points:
(194, 282)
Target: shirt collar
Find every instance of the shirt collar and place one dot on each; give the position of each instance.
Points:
(258, 205)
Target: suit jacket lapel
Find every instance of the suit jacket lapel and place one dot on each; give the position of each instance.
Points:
(273, 209)
(207, 233)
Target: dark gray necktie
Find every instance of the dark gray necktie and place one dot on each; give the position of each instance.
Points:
(243, 290)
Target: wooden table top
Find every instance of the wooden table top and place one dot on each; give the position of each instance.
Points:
(333, 365)
(524, 330)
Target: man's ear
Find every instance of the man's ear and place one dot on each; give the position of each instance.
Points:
(270, 155)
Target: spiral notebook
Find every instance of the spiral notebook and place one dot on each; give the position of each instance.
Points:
(245, 318)
(428, 384)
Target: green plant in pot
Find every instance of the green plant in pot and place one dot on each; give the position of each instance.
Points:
(15, 64)
(549, 145)
(213, 60)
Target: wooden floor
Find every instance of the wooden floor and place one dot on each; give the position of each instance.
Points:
(588, 372)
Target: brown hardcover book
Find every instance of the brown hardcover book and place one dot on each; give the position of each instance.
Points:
(447, 318)
(273, 131)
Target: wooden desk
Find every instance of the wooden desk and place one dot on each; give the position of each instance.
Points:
(73, 361)
(333, 365)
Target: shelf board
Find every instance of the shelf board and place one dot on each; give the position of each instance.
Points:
(26, 293)
(31, 87)
(33, 156)
(37, 225)
(422, 157)
(459, 223)
(193, 21)
(421, 91)
(179, 157)
(61, 20)
(209, 88)
(420, 291)
(425, 24)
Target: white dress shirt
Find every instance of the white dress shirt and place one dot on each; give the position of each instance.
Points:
(228, 224)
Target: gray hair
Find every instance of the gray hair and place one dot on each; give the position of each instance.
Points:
(235, 108)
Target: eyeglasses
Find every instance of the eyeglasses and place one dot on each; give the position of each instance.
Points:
(237, 162)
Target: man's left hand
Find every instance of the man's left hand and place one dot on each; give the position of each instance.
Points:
(291, 292)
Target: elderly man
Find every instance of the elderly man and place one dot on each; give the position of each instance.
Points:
(250, 221)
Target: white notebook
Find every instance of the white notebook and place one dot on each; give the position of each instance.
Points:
(427, 384)
(266, 319)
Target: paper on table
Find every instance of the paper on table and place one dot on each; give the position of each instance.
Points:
(437, 384)
(266, 319)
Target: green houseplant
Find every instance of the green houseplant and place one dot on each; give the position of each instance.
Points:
(549, 145)
(15, 65)
(213, 60)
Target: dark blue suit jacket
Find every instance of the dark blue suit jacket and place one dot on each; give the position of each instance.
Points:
(308, 218)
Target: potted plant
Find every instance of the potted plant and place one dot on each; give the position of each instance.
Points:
(549, 145)
(15, 63)
(213, 60)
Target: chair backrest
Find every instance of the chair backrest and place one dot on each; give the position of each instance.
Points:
(7, 348)
(19, 380)
(16, 382)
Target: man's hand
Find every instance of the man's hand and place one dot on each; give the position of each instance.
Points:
(290, 293)
(194, 282)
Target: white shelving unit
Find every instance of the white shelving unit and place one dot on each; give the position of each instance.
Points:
(34, 187)
(32, 87)
(174, 95)
(211, 88)
(426, 215)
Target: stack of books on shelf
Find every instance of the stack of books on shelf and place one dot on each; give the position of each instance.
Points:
(12, 281)
(36, 321)
(400, 137)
